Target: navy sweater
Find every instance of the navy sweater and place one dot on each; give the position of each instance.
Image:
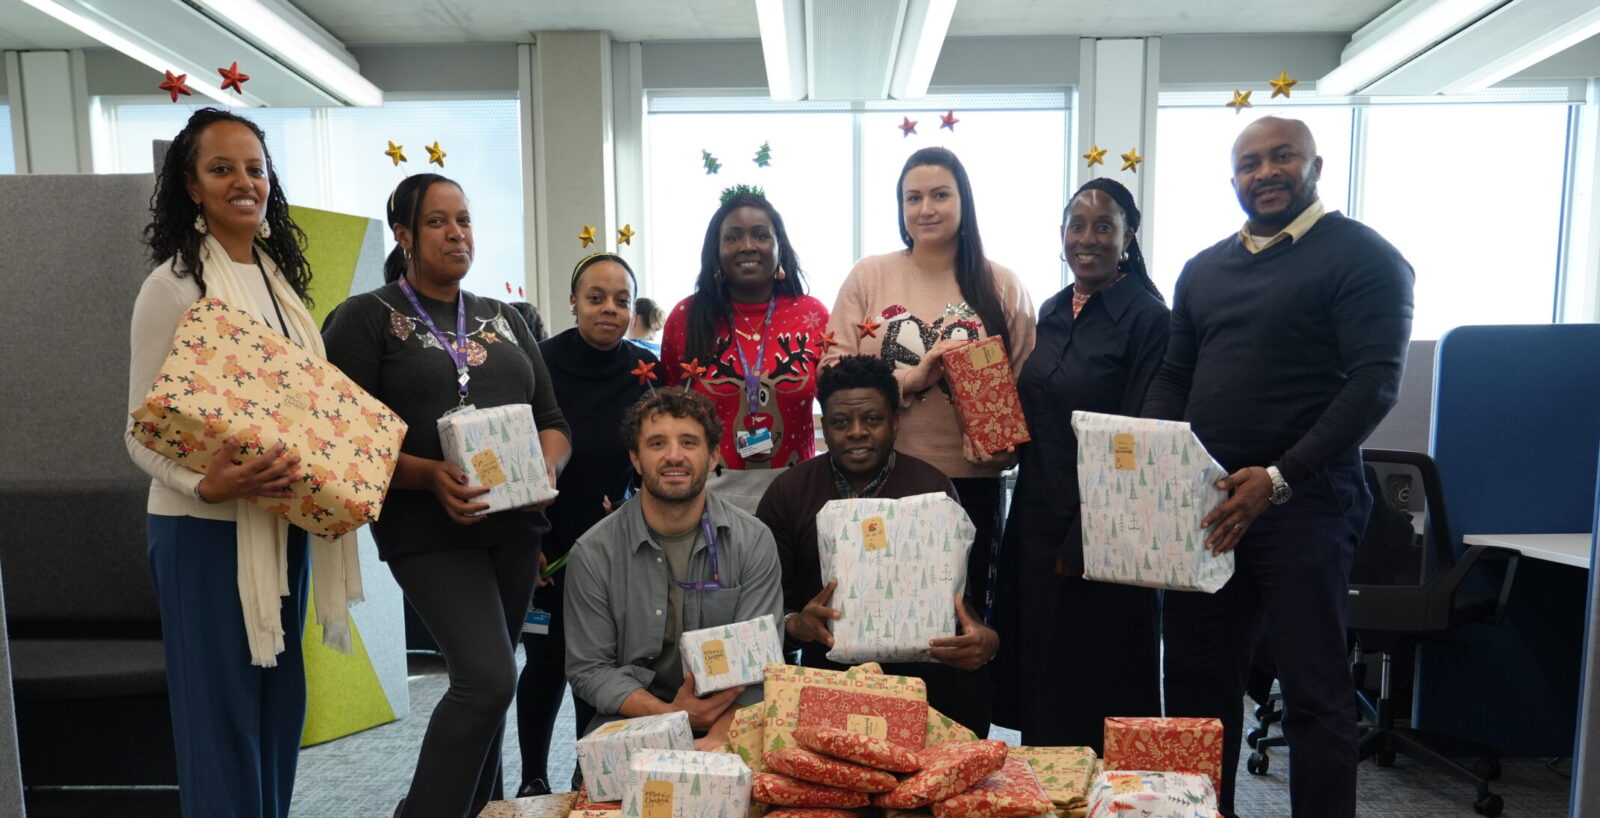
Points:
(1291, 355)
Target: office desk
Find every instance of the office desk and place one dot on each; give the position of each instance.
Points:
(1566, 549)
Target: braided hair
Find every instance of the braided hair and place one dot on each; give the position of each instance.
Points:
(405, 209)
(712, 302)
(171, 232)
(1134, 264)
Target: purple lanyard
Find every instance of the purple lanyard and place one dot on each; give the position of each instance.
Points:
(710, 533)
(457, 356)
(752, 375)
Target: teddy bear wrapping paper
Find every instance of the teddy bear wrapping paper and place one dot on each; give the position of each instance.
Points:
(229, 377)
(731, 655)
(498, 448)
(605, 753)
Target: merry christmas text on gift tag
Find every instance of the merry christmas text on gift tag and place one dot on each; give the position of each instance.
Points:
(872, 726)
(716, 657)
(982, 355)
(657, 799)
(1125, 459)
(488, 468)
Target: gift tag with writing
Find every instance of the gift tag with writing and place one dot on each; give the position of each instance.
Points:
(1122, 445)
(716, 657)
(874, 726)
(487, 467)
(873, 535)
(657, 799)
(983, 355)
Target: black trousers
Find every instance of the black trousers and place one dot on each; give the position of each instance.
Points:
(1292, 577)
(541, 685)
(981, 498)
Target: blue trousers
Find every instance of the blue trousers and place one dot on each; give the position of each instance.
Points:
(1292, 576)
(236, 726)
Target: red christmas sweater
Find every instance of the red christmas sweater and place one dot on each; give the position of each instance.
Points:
(788, 375)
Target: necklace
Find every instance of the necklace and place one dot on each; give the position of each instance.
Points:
(754, 335)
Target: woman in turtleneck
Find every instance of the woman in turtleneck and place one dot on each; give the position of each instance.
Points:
(597, 376)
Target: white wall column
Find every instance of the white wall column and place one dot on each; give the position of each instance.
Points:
(49, 98)
(1118, 81)
(627, 131)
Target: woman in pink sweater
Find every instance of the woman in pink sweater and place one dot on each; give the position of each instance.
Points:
(912, 305)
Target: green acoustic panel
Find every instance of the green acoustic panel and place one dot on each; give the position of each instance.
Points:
(333, 248)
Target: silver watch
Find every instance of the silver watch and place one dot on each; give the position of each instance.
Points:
(1280, 487)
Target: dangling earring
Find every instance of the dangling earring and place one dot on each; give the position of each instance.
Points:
(263, 230)
(200, 223)
(782, 274)
(719, 274)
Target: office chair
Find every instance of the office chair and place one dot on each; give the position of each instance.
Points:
(1393, 617)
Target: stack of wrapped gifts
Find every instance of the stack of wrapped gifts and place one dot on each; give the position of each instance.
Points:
(1159, 768)
(605, 754)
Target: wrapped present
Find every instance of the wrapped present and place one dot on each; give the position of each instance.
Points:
(1065, 773)
(1139, 794)
(858, 748)
(731, 655)
(685, 784)
(1144, 486)
(744, 735)
(985, 394)
(1165, 745)
(785, 683)
(899, 563)
(539, 806)
(813, 812)
(899, 721)
(772, 788)
(942, 730)
(229, 377)
(596, 812)
(586, 804)
(806, 765)
(947, 769)
(603, 755)
(498, 448)
(1009, 792)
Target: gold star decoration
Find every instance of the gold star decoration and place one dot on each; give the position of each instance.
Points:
(396, 152)
(625, 235)
(1131, 160)
(1282, 84)
(1240, 101)
(1096, 155)
(435, 154)
(587, 236)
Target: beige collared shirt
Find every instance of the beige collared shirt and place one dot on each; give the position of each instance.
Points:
(1293, 232)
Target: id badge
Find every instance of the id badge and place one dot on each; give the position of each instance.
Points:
(754, 443)
(536, 622)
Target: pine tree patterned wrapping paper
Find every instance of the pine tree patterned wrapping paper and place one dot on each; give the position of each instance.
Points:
(1144, 486)
(785, 682)
(1140, 794)
(731, 655)
(985, 394)
(899, 564)
(499, 448)
(745, 735)
(604, 754)
(228, 375)
(1064, 772)
(686, 784)
(1180, 745)
(942, 730)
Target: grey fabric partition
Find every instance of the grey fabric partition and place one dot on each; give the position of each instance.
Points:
(10, 766)
(1409, 424)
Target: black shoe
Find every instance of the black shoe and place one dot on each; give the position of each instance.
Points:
(537, 786)
(398, 808)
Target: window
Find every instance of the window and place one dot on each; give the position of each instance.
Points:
(8, 156)
(331, 158)
(833, 173)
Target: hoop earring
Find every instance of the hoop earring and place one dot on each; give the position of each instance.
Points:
(200, 225)
(263, 230)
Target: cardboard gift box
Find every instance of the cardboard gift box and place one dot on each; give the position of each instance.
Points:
(229, 376)
(1142, 794)
(898, 564)
(686, 784)
(901, 721)
(785, 684)
(1179, 745)
(1065, 773)
(498, 447)
(604, 754)
(731, 655)
(1144, 486)
(985, 394)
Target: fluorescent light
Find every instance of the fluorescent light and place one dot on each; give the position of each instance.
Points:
(782, 24)
(1397, 36)
(285, 41)
(927, 23)
(1554, 41)
(134, 50)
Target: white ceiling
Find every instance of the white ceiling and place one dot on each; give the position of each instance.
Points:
(364, 22)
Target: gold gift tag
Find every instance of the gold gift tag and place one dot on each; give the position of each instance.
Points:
(716, 657)
(874, 726)
(873, 535)
(982, 355)
(1123, 446)
(657, 799)
(488, 469)
(613, 727)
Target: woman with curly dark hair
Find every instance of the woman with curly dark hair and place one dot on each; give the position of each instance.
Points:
(221, 228)
(749, 339)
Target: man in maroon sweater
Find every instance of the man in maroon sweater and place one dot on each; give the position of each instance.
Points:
(859, 397)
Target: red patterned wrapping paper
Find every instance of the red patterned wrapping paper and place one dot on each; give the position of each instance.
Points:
(1009, 792)
(585, 804)
(901, 721)
(946, 770)
(813, 812)
(1176, 745)
(771, 788)
(985, 393)
(784, 684)
(858, 748)
(820, 769)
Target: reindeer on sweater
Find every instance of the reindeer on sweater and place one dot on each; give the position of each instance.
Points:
(787, 371)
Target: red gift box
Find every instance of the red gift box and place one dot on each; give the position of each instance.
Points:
(1165, 745)
(985, 393)
(899, 721)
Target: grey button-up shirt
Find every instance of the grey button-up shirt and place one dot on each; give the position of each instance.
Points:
(616, 597)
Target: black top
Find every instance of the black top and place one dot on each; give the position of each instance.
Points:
(1102, 361)
(594, 389)
(378, 341)
(1291, 355)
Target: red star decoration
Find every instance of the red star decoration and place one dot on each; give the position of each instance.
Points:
(825, 342)
(644, 372)
(174, 85)
(948, 120)
(869, 328)
(508, 288)
(692, 370)
(519, 292)
(908, 126)
(232, 78)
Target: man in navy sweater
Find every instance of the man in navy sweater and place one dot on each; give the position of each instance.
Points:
(1286, 349)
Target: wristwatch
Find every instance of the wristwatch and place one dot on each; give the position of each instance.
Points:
(201, 497)
(1280, 487)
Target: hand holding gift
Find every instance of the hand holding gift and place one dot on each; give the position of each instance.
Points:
(811, 623)
(703, 712)
(449, 485)
(267, 475)
(973, 648)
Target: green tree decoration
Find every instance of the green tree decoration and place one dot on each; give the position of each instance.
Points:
(710, 162)
(764, 155)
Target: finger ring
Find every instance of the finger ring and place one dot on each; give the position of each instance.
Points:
(1238, 526)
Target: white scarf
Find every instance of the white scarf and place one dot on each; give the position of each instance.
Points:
(262, 535)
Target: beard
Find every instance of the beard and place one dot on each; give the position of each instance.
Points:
(1300, 199)
(666, 494)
